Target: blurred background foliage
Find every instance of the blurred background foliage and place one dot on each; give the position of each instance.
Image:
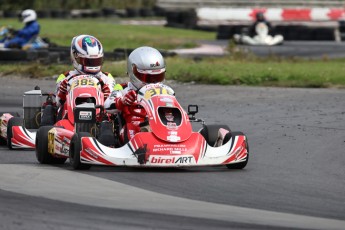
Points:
(74, 4)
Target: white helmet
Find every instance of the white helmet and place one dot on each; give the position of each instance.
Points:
(87, 54)
(145, 65)
(28, 16)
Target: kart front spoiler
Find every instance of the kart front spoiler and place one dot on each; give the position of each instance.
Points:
(22, 138)
(145, 150)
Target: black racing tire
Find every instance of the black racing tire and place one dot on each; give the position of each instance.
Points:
(14, 121)
(42, 154)
(210, 133)
(224, 32)
(2, 141)
(106, 135)
(243, 164)
(74, 151)
(132, 12)
(13, 55)
(48, 116)
(146, 12)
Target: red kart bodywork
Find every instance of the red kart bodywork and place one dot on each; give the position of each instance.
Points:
(21, 137)
(59, 136)
(170, 141)
(145, 149)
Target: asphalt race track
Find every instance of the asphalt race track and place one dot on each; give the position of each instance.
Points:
(291, 49)
(294, 178)
(304, 49)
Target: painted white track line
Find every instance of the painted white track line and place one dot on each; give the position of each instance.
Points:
(64, 185)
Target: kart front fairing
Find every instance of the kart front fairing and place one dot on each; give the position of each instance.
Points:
(82, 89)
(167, 119)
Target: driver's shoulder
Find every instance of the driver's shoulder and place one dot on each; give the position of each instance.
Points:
(66, 74)
(107, 74)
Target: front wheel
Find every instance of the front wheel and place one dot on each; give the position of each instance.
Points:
(210, 133)
(14, 121)
(74, 151)
(2, 141)
(42, 154)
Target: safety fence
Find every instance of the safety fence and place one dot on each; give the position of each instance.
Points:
(289, 32)
(271, 14)
(193, 4)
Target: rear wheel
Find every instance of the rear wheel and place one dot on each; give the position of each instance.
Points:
(74, 151)
(14, 121)
(210, 133)
(42, 154)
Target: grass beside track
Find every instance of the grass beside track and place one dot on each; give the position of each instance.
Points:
(113, 35)
(237, 69)
(223, 71)
(271, 72)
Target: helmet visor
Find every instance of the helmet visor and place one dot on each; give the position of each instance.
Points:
(91, 62)
(149, 76)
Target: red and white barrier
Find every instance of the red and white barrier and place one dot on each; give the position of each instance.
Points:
(271, 14)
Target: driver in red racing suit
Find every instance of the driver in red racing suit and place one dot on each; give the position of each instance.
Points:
(145, 65)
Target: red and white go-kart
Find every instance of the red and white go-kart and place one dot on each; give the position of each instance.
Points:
(166, 139)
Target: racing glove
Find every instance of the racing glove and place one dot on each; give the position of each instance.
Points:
(128, 99)
(105, 89)
(63, 90)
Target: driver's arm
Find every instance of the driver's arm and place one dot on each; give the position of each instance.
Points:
(270, 28)
(29, 31)
(109, 104)
(119, 99)
(62, 92)
(252, 31)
